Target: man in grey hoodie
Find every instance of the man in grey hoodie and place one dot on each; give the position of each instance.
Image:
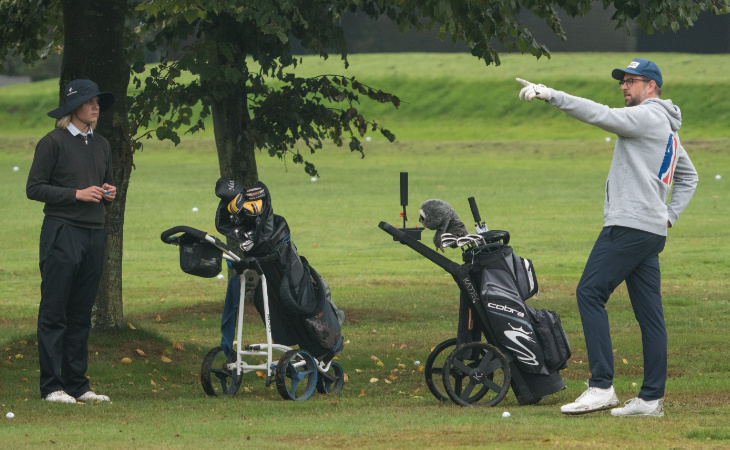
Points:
(648, 163)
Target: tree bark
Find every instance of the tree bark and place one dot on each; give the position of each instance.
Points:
(94, 49)
(236, 155)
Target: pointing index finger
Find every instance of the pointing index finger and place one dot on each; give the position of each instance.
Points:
(524, 82)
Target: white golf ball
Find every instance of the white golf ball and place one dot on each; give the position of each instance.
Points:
(368, 139)
(608, 139)
(195, 209)
(9, 415)
(313, 180)
(506, 414)
(220, 276)
(416, 363)
(717, 177)
(16, 168)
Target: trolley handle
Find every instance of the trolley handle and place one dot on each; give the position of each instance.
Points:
(432, 255)
(168, 236)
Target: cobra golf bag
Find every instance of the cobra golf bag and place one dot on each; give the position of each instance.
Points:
(301, 309)
(535, 337)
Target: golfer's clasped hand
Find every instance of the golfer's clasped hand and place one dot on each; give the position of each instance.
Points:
(532, 91)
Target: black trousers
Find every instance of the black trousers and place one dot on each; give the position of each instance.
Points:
(624, 254)
(71, 263)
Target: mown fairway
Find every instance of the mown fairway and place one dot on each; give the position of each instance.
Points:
(533, 172)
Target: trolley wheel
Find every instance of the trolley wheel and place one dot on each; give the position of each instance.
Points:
(483, 367)
(215, 376)
(332, 381)
(296, 375)
(434, 366)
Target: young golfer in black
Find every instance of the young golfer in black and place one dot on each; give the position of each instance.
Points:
(72, 175)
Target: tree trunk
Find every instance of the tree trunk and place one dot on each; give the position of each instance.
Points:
(236, 154)
(94, 49)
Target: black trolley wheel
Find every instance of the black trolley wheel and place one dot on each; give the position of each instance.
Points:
(296, 375)
(476, 366)
(434, 366)
(217, 379)
(332, 381)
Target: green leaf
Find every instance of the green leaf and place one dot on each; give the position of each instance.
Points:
(191, 15)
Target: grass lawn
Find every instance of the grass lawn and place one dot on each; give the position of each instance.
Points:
(546, 189)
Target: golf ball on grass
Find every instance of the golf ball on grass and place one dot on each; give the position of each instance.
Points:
(506, 414)
(9, 415)
(717, 177)
(16, 168)
(195, 209)
(313, 180)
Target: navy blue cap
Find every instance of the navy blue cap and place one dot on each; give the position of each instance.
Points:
(642, 67)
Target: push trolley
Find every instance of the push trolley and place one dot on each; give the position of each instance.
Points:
(296, 372)
(465, 369)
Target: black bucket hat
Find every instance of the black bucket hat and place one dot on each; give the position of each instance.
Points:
(77, 93)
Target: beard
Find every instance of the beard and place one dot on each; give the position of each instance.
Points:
(635, 100)
(632, 101)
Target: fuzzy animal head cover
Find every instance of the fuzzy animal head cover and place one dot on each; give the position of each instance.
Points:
(440, 216)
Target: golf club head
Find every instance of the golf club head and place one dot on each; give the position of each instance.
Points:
(448, 240)
(246, 245)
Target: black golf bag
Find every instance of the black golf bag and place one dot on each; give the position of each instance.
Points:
(535, 337)
(301, 310)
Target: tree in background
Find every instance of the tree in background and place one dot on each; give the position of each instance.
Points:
(240, 54)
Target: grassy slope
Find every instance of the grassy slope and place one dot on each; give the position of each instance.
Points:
(548, 194)
(482, 103)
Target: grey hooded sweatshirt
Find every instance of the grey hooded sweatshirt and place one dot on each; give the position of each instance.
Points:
(647, 160)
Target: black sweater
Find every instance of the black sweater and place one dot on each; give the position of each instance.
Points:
(64, 163)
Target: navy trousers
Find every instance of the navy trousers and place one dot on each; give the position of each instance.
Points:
(71, 263)
(624, 254)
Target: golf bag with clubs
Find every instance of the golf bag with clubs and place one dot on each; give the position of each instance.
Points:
(523, 348)
(300, 304)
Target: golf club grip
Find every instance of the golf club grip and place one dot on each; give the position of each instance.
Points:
(404, 188)
(474, 210)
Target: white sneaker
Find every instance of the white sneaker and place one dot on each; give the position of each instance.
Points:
(59, 397)
(639, 407)
(90, 396)
(593, 399)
